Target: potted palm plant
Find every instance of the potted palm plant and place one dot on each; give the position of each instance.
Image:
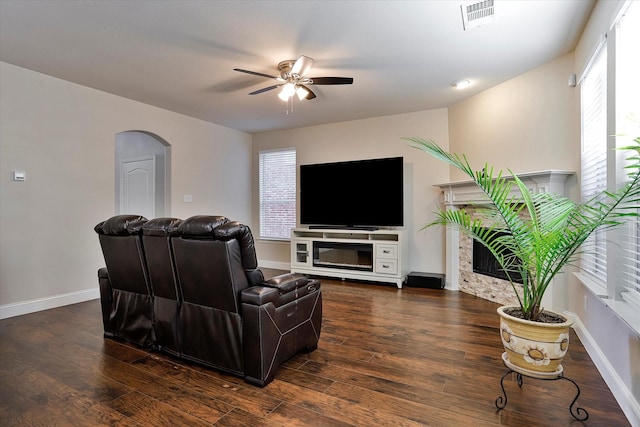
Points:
(535, 235)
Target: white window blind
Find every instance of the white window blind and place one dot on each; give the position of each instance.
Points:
(277, 181)
(630, 276)
(594, 155)
(628, 123)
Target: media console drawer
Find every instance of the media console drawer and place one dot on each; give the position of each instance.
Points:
(387, 266)
(387, 251)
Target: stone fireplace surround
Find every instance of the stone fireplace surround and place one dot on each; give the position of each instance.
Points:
(459, 261)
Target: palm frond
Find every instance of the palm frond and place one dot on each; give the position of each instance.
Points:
(536, 235)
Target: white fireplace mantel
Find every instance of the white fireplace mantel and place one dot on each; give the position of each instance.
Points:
(467, 192)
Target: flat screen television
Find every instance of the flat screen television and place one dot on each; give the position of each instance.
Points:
(355, 194)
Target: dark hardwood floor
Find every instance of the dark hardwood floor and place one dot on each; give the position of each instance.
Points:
(386, 357)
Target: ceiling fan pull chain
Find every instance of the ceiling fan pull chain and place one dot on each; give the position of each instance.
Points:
(289, 106)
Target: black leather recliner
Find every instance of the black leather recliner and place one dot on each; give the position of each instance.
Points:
(281, 318)
(223, 313)
(211, 276)
(127, 302)
(255, 324)
(156, 235)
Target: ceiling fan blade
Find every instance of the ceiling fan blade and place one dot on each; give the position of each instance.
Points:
(302, 66)
(264, 89)
(332, 80)
(310, 95)
(255, 73)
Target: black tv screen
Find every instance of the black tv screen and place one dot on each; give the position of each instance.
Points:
(362, 193)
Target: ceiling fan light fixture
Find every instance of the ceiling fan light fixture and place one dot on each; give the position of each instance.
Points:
(287, 91)
(283, 96)
(301, 92)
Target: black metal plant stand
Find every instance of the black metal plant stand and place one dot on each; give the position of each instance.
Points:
(577, 412)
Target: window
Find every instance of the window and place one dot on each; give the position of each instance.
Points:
(628, 127)
(277, 181)
(594, 155)
(630, 277)
(611, 118)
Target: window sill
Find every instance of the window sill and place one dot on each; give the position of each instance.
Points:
(622, 309)
(273, 240)
(626, 312)
(592, 285)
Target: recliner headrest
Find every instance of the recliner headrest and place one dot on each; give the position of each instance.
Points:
(161, 227)
(201, 226)
(121, 225)
(242, 233)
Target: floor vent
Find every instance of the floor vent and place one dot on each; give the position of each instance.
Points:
(477, 14)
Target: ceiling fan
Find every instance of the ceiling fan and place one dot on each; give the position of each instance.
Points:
(294, 81)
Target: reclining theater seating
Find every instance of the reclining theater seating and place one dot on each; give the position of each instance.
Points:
(166, 297)
(205, 299)
(125, 292)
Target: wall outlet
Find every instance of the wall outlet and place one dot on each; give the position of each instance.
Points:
(586, 303)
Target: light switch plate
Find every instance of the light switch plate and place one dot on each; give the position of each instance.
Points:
(18, 175)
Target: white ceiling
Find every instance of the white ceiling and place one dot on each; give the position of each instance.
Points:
(180, 54)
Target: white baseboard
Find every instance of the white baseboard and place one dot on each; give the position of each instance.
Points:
(32, 306)
(275, 264)
(629, 405)
(26, 307)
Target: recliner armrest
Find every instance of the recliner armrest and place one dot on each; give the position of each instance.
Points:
(287, 282)
(280, 289)
(259, 295)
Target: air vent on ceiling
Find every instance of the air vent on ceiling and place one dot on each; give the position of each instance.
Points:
(477, 14)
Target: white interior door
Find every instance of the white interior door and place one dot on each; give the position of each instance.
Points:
(137, 187)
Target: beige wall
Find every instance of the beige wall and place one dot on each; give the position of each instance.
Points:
(367, 139)
(529, 123)
(63, 136)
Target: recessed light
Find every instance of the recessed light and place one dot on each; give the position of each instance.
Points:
(461, 84)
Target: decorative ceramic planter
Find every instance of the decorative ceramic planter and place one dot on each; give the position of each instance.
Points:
(534, 346)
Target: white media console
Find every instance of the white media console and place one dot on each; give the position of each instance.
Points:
(378, 255)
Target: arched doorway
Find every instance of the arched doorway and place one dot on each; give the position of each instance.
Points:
(142, 171)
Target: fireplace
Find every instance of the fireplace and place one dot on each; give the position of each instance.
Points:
(485, 263)
(349, 256)
(460, 274)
